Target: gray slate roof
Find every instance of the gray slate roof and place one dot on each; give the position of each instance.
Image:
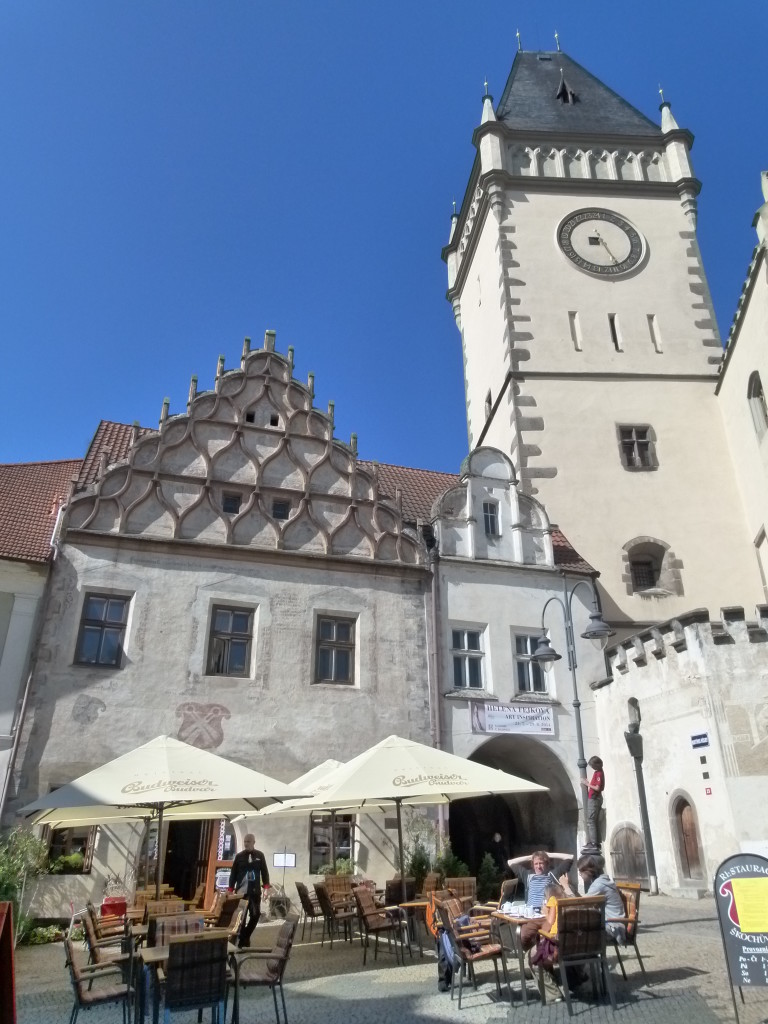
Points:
(530, 100)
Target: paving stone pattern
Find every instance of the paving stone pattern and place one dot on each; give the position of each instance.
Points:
(679, 940)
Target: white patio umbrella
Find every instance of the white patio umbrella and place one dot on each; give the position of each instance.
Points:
(397, 771)
(164, 777)
(313, 782)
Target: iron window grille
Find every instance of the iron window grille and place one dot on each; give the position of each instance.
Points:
(644, 574)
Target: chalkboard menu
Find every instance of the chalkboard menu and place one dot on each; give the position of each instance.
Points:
(741, 893)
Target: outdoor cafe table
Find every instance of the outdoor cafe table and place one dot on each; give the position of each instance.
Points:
(420, 907)
(511, 925)
(151, 958)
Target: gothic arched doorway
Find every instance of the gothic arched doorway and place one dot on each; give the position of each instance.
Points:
(528, 821)
(687, 839)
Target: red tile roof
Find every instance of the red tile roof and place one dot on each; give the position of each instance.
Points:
(112, 439)
(30, 495)
(419, 488)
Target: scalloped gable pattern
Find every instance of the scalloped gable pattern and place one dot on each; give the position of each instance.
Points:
(256, 436)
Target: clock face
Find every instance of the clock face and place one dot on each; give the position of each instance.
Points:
(600, 242)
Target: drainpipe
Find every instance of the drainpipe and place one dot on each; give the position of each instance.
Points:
(436, 688)
(16, 735)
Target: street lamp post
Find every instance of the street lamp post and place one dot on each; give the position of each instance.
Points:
(598, 631)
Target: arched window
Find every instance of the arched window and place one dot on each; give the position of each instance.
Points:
(651, 568)
(757, 406)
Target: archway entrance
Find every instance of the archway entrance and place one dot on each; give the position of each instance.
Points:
(526, 822)
(687, 839)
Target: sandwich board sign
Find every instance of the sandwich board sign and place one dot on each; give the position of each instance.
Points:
(741, 895)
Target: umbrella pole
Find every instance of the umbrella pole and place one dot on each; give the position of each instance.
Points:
(398, 808)
(333, 841)
(160, 858)
(146, 851)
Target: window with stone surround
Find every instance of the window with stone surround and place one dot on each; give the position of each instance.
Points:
(491, 518)
(651, 568)
(467, 654)
(637, 446)
(320, 847)
(102, 630)
(335, 650)
(229, 644)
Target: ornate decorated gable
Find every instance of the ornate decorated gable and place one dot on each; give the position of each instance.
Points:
(251, 464)
(486, 516)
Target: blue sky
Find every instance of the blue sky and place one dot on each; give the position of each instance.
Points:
(178, 174)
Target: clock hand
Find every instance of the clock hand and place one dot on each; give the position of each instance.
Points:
(605, 246)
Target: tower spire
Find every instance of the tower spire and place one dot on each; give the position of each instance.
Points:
(557, 40)
(519, 42)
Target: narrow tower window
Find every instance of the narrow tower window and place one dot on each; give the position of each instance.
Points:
(488, 405)
(573, 323)
(613, 325)
(757, 406)
(653, 329)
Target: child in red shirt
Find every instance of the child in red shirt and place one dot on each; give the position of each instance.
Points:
(595, 788)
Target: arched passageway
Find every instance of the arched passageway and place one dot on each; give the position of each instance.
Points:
(527, 822)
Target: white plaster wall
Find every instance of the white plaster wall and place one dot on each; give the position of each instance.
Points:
(718, 689)
(277, 720)
(690, 502)
(22, 585)
(749, 452)
(483, 326)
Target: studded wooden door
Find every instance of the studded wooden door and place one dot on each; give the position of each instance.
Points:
(628, 856)
(690, 859)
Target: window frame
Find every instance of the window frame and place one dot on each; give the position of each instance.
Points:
(491, 518)
(227, 636)
(757, 404)
(102, 624)
(463, 656)
(334, 646)
(644, 560)
(320, 823)
(649, 440)
(526, 660)
(229, 497)
(279, 504)
(64, 848)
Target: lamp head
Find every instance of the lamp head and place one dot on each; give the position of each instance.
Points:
(545, 654)
(597, 630)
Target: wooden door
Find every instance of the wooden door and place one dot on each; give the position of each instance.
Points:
(628, 857)
(689, 840)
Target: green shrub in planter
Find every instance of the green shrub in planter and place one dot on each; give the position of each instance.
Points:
(68, 864)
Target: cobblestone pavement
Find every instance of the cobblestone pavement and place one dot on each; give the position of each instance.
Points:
(679, 941)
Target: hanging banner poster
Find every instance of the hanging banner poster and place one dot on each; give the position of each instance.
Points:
(523, 718)
(741, 894)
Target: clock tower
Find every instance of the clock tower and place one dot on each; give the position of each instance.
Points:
(590, 344)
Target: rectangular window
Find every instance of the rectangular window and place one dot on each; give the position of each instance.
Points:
(102, 630)
(530, 676)
(491, 518)
(71, 850)
(335, 658)
(320, 849)
(573, 323)
(281, 509)
(229, 647)
(613, 325)
(231, 504)
(467, 656)
(636, 448)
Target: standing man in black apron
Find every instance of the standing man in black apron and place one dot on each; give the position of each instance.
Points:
(249, 870)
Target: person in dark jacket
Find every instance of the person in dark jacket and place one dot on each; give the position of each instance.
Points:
(249, 869)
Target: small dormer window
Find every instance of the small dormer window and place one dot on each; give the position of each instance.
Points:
(274, 420)
(491, 518)
(281, 509)
(250, 417)
(231, 503)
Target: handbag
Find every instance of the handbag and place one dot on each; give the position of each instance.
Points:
(544, 954)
